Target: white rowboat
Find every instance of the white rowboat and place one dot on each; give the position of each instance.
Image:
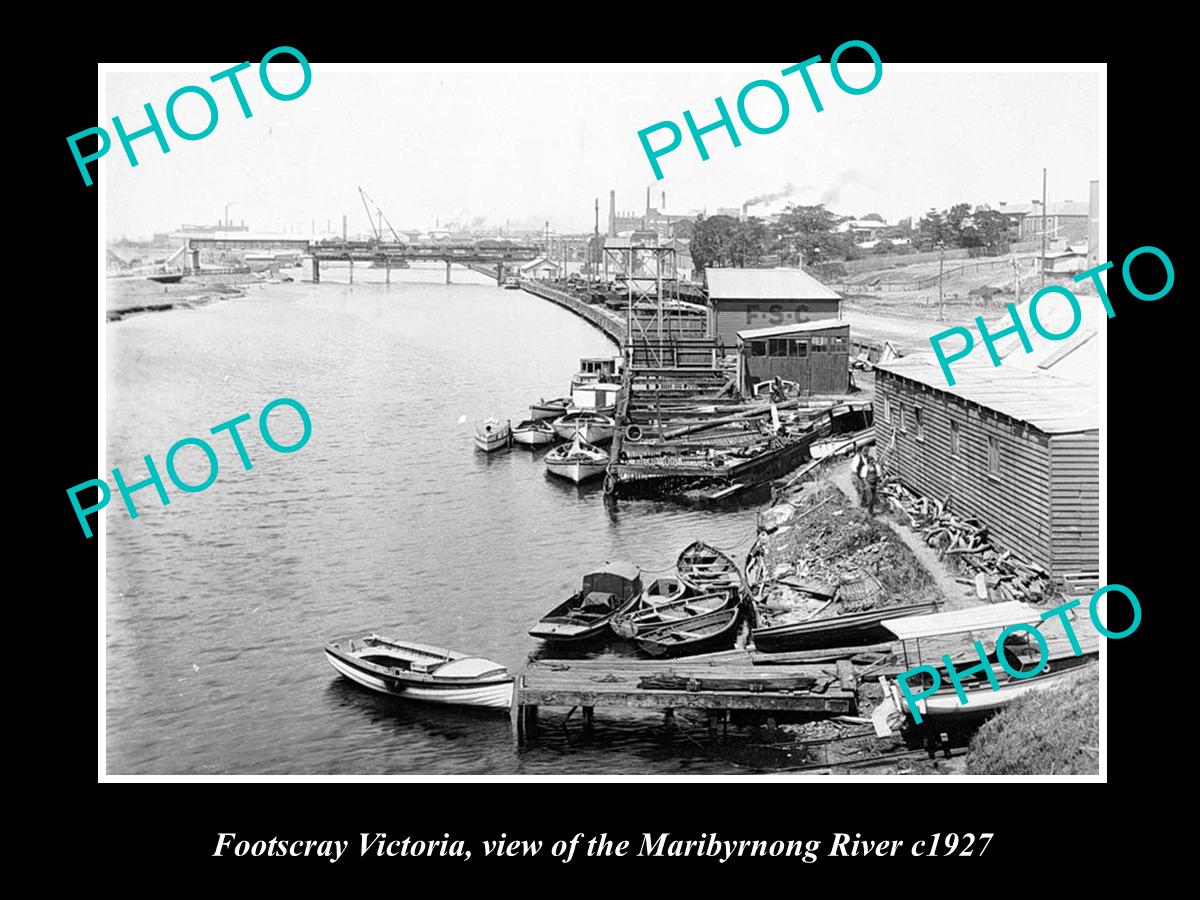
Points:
(421, 672)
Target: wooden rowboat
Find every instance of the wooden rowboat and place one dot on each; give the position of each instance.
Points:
(550, 409)
(643, 616)
(585, 616)
(577, 461)
(701, 634)
(534, 433)
(421, 672)
(592, 427)
(706, 569)
(849, 630)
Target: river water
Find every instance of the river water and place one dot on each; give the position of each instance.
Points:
(388, 519)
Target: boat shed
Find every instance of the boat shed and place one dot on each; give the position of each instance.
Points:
(1016, 445)
(743, 299)
(814, 355)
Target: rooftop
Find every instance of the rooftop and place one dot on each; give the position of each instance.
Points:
(765, 284)
(795, 328)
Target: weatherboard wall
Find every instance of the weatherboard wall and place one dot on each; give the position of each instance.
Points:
(1014, 503)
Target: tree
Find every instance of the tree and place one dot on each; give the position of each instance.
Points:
(807, 232)
(931, 229)
(683, 229)
(958, 217)
(752, 240)
(712, 241)
(872, 217)
(884, 246)
(988, 228)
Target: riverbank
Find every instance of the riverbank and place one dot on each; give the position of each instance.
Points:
(131, 296)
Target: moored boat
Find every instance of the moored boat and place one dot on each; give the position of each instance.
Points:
(511, 283)
(706, 569)
(492, 434)
(550, 409)
(421, 672)
(534, 433)
(701, 634)
(166, 278)
(847, 630)
(945, 708)
(585, 616)
(644, 616)
(577, 461)
(591, 427)
(598, 397)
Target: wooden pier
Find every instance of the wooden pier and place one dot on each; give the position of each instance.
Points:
(704, 683)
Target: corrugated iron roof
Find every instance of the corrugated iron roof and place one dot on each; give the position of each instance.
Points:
(794, 328)
(765, 284)
(1051, 405)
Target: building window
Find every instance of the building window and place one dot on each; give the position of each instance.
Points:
(887, 410)
(777, 348)
(953, 438)
(758, 348)
(919, 424)
(994, 457)
(800, 348)
(903, 418)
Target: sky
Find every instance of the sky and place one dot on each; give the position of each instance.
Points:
(522, 144)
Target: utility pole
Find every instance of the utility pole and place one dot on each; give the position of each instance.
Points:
(1045, 227)
(941, 269)
(1016, 280)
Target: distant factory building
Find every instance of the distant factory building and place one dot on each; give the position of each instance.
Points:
(813, 355)
(1015, 445)
(746, 299)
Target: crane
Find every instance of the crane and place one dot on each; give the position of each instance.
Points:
(379, 212)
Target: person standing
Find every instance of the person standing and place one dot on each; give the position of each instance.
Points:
(871, 482)
(860, 468)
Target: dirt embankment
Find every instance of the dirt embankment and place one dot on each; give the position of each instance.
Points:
(131, 296)
(819, 547)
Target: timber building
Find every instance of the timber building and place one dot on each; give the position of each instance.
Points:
(1017, 445)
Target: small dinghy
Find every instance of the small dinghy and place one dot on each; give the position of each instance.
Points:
(592, 427)
(492, 434)
(550, 409)
(534, 433)
(421, 672)
(577, 461)
(701, 634)
(706, 569)
(641, 618)
(585, 616)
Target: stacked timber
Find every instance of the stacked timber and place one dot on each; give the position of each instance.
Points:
(999, 574)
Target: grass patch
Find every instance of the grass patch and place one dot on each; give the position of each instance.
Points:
(1044, 732)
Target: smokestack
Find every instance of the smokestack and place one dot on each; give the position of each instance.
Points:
(647, 200)
(344, 228)
(612, 213)
(1093, 250)
(597, 227)
(664, 202)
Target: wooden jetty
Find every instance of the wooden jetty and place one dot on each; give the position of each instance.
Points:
(716, 682)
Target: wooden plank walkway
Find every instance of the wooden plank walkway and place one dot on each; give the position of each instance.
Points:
(613, 682)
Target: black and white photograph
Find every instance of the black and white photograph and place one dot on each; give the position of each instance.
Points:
(554, 420)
